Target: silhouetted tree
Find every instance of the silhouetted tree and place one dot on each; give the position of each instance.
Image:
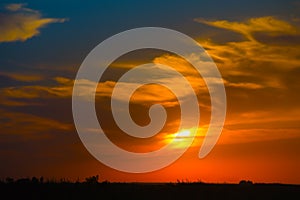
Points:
(34, 180)
(244, 182)
(9, 180)
(23, 180)
(92, 179)
(41, 179)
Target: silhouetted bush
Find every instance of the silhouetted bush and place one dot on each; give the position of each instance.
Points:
(9, 180)
(25, 188)
(92, 179)
(244, 182)
(34, 180)
(41, 179)
(23, 180)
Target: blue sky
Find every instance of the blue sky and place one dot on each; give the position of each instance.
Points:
(89, 23)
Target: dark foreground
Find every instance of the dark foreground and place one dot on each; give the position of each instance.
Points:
(147, 191)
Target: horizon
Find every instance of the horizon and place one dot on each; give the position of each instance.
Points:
(95, 180)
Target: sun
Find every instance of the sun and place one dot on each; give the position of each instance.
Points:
(182, 138)
(183, 133)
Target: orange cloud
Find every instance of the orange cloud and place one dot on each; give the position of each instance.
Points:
(23, 77)
(266, 24)
(244, 85)
(32, 127)
(62, 89)
(270, 50)
(37, 91)
(193, 77)
(258, 74)
(20, 23)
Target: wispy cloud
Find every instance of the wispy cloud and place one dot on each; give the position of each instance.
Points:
(28, 126)
(29, 89)
(20, 23)
(256, 58)
(193, 76)
(267, 24)
(258, 74)
(22, 77)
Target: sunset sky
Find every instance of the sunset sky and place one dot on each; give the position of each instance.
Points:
(255, 45)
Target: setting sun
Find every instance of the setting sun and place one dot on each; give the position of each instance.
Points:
(182, 138)
(183, 134)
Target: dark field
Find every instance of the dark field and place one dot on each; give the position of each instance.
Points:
(30, 190)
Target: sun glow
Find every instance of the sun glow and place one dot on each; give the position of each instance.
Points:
(183, 134)
(182, 138)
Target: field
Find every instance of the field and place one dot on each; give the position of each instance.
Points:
(105, 190)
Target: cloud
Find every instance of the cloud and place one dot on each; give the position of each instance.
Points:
(29, 126)
(193, 77)
(16, 95)
(15, 6)
(22, 77)
(270, 50)
(259, 73)
(19, 23)
(255, 71)
(178, 63)
(267, 24)
(61, 88)
(244, 85)
(263, 125)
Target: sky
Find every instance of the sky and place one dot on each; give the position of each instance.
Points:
(254, 44)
